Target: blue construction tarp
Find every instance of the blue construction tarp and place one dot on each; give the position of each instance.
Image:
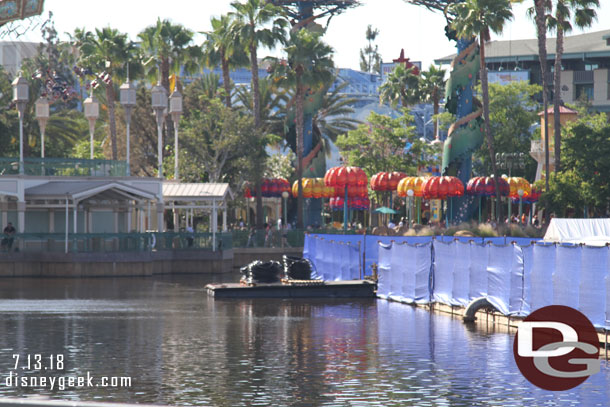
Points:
(517, 277)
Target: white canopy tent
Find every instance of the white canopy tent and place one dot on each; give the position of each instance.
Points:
(592, 232)
(209, 197)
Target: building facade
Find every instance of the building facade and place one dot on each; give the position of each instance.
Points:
(585, 65)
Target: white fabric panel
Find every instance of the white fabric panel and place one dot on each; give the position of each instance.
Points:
(478, 270)
(543, 268)
(355, 258)
(566, 278)
(593, 232)
(517, 282)
(499, 276)
(461, 273)
(347, 261)
(383, 270)
(330, 259)
(406, 264)
(592, 291)
(423, 260)
(528, 262)
(396, 272)
(444, 258)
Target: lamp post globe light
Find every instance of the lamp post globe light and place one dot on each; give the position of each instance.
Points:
(42, 115)
(20, 97)
(285, 195)
(175, 110)
(159, 104)
(128, 100)
(520, 192)
(92, 112)
(410, 194)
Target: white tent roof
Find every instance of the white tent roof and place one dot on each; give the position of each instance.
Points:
(592, 232)
(193, 192)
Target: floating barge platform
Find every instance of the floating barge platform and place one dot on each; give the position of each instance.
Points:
(322, 289)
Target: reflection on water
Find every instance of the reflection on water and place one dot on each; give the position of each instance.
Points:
(181, 347)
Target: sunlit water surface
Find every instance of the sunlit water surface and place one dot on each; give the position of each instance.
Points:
(181, 347)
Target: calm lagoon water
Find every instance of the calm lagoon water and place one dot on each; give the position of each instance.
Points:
(181, 347)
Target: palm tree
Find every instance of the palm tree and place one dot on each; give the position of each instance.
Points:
(432, 87)
(308, 67)
(273, 101)
(541, 18)
(222, 48)
(370, 60)
(584, 14)
(332, 119)
(402, 86)
(106, 50)
(167, 47)
(250, 18)
(478, 18)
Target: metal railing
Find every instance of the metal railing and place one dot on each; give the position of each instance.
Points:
(65, 167)
(113, 242)
(277, 238)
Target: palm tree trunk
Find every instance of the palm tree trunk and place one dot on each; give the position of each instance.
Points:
(257, 123)
(488, 136)
(435, 107)
(226, 78)
(539, 6)
(300, 124)
(110, 97)
(557, 94)
(169, 124)
(255, 90)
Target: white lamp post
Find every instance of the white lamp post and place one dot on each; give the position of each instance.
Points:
(128, 100)
(285, 195)
(159, 104)
(520, 192)
(42, 115)
(410, 194)
(20, 97)
(92, 112)
(175, 110)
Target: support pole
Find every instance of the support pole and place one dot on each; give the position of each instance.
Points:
(345, 215)
(160, 145)
(213, 223)
(67, 227)
(479, 208)
(21, 165)
(176, 160)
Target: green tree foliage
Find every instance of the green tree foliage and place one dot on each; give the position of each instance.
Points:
(223, 49)
(584, 14)
(258, 23)
(432, 88)
(477, 18)
(379, 145)
(107, 50)
(309, 67)
(167, 48)
(583, 183)
(402, 86)
(370, 58)
(216, 144)
(512, 111)
(280, 165)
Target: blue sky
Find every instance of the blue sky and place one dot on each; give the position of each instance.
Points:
(417, 30)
